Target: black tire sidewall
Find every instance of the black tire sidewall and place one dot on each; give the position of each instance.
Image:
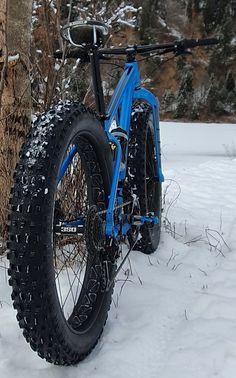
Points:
(89, 127)
(32, 210)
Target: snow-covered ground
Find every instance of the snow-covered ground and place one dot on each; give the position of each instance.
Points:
(175, 317)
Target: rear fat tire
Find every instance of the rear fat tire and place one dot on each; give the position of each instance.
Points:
(141, 162)
(30, 244)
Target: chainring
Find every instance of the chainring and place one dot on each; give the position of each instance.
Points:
(94, 230)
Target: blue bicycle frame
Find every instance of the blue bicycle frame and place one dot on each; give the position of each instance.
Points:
(126, 93)
(119, 111)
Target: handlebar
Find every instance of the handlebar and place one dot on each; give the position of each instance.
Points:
(192, 43)
(75, 53)
(178, 47)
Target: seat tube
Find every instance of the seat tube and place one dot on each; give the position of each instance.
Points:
(97, 83)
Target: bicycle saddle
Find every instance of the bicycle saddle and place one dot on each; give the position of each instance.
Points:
(84, 34)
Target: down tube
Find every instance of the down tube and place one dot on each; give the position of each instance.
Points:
(143, 94)
(126, 86)
(122, 98)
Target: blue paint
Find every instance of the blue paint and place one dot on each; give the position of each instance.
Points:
(67, 161)
(77, 222)
(125, 228)
(128, 91)
(147, 219)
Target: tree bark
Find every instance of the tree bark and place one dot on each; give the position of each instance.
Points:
(15, 91)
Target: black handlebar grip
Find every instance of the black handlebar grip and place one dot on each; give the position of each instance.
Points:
(208, 42)
(74, 54)
(191, 43)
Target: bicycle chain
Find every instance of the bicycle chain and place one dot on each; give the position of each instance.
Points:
(117, 207)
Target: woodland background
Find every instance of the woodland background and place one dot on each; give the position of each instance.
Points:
(197, 87)
(207, 77)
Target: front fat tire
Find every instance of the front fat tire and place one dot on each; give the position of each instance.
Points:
(31, 240)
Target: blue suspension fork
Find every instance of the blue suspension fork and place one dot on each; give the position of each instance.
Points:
(115, 179)
(65, 164)
(120, 109)
(76, 226)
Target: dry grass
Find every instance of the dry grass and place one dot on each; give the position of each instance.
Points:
(214, 239)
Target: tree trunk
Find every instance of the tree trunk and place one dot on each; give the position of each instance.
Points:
(15, 91)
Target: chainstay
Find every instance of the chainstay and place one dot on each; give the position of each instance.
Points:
(101, 212)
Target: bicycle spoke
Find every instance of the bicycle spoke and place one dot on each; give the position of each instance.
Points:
(65, 265)
(70, 289)
(71, 202)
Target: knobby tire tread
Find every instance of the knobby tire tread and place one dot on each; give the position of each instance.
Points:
(30, 266)
(141, 125)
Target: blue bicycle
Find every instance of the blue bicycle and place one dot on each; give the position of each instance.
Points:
(85, 184)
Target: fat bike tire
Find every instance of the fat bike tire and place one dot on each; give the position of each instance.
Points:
(142, 176)
(62, 327)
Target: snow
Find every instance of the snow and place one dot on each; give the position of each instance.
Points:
(233, 41)
(175, 33)
(162, 22)
(57, 67)
(13, 58)
(130, 23)
(121, 14)
(175, 316)
(76, 64)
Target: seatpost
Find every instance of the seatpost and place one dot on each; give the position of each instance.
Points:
(97, 83)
